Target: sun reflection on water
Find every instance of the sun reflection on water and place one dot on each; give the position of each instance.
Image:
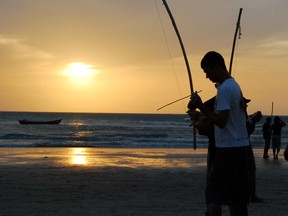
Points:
(136, 158)
(78, 156)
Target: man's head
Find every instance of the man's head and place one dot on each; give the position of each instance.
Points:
(277, 119)
(213, 64)
(268, 119)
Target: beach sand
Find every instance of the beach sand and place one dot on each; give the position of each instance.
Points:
(93, 181)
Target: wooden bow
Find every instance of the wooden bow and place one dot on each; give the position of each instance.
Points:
(234, 40)
(186, 62)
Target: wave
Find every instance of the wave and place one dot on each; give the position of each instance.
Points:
(106, 130)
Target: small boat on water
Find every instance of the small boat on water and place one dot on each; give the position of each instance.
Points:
(57, 121)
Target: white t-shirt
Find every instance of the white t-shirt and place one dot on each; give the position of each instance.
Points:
(234, 134)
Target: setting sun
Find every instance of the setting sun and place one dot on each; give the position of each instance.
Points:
(79, 71)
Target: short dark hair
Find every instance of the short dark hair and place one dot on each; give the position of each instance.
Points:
(277, 119)
(211, 59)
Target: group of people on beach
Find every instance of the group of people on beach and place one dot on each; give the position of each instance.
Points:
(273, 131)
(231, 169)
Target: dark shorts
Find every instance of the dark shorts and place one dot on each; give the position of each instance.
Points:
(276, 141)
(267, 142)
(228, 181)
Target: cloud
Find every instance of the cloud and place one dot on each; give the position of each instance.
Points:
(17, 56)
(274, 46)
(19, 49)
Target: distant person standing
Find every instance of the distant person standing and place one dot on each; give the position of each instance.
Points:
(276, 135)
(266, 129)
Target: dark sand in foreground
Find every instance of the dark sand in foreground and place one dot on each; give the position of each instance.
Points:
(92, 181)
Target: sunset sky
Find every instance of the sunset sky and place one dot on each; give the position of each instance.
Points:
(123, 56)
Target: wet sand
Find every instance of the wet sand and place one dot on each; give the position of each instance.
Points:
(93, 181)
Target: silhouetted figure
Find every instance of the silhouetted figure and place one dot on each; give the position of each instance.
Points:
(266, 129)
(251, 122)
(276, 136)
(228, 180)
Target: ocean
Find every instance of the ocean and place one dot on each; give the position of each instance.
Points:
(108, 131)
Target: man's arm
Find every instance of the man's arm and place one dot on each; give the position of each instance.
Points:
(252, 120)
(220, 119)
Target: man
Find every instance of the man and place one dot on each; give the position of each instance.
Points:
(227, 181)
(251, 122)
(266, 129)
(276, 135)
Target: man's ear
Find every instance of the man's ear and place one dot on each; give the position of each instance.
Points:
(217, 67)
